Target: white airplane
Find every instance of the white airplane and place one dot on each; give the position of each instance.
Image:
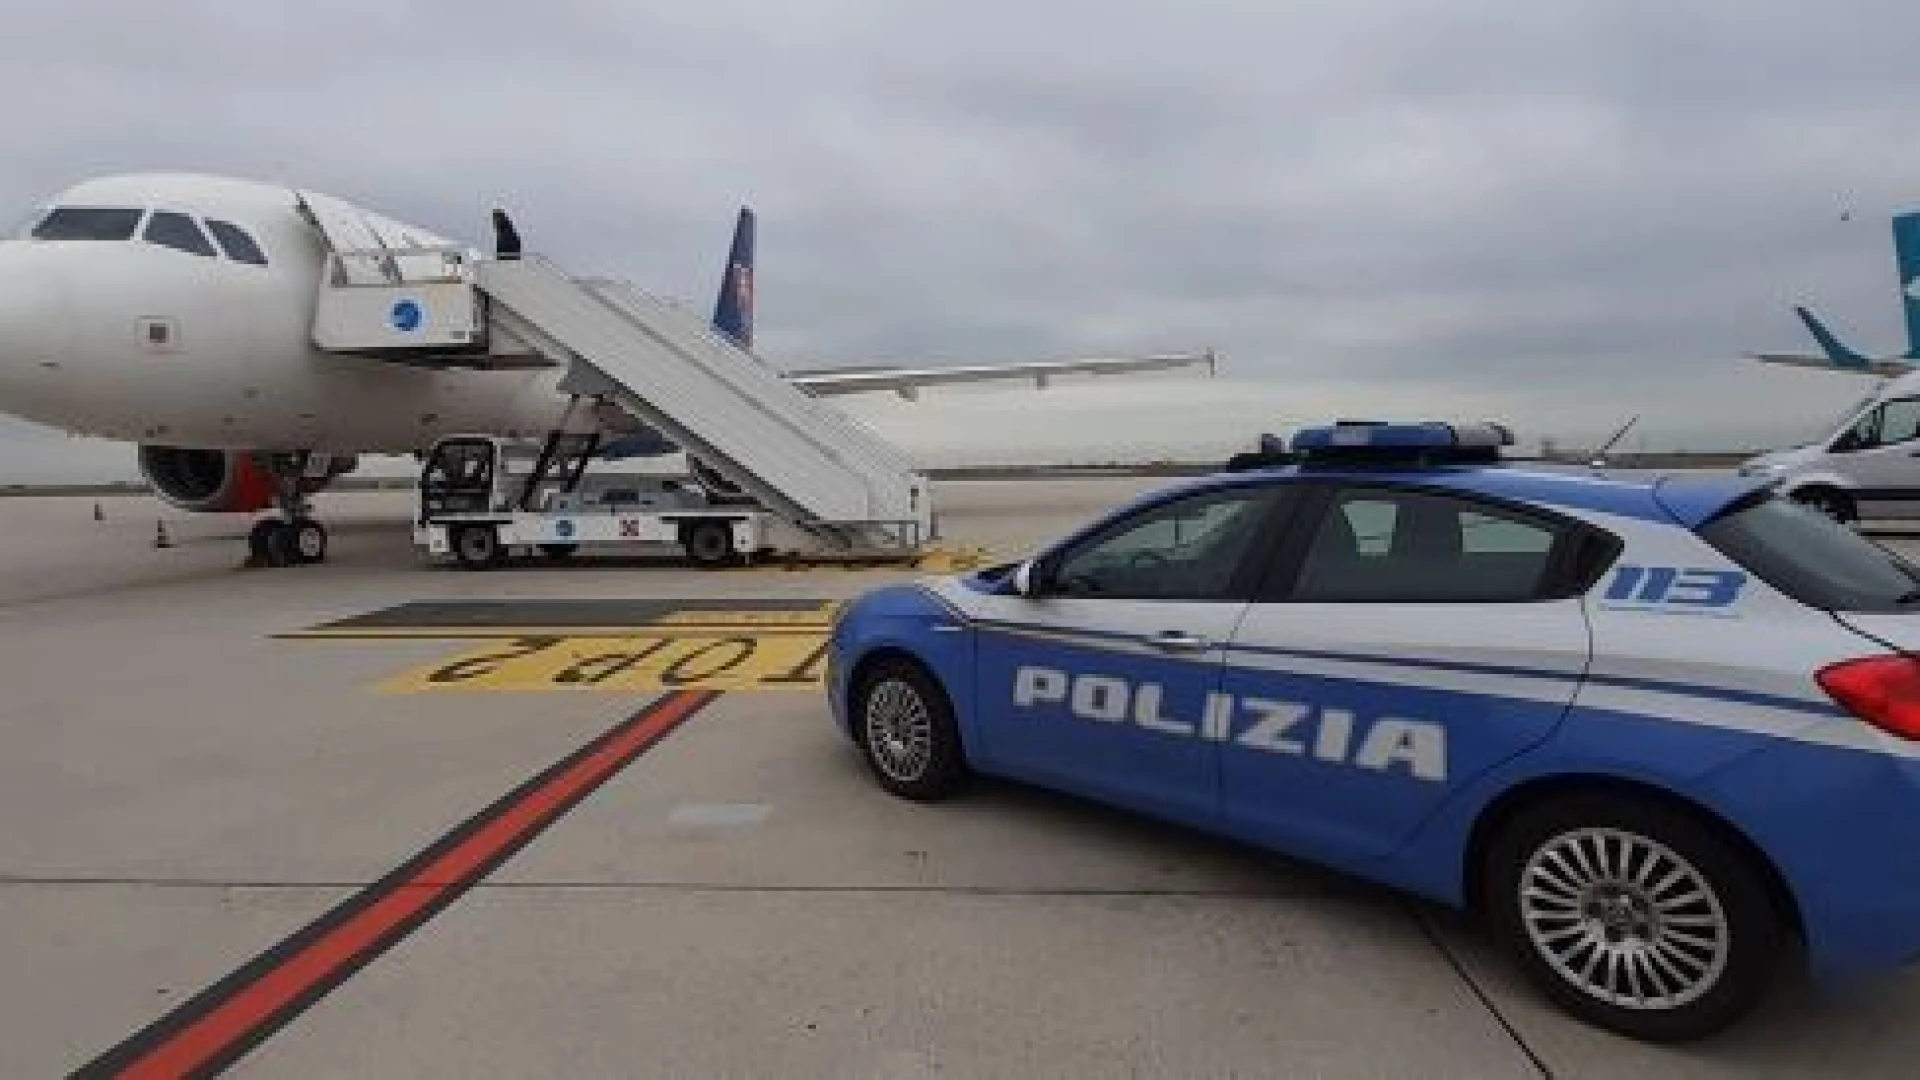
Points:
(176, 312)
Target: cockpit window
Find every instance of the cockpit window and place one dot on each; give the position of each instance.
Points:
(236, 243)
(87, 223)
(177, 231)
(24, 231)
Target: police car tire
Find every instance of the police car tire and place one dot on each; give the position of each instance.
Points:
(945, 767)
(1755, 931)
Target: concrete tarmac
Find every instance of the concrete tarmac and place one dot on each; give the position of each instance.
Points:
(186, 790)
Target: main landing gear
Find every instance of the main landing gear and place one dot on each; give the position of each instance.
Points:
(294, 538)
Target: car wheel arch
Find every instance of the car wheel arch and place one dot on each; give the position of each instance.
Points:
(1511, 803)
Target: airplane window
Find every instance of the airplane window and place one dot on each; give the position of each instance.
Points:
(87, 223)
(236, 243)
(177, 231)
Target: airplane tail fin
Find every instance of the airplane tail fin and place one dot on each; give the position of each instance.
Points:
(1836, 350)
(1906, 249)
(733, 310)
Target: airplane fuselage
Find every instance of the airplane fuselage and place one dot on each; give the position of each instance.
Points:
(177, 312)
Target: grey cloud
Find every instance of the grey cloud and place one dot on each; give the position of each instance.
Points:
(1601, 202)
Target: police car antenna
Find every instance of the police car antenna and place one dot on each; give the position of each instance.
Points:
(1599, 460)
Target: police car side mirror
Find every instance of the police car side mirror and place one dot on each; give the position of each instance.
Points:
(1028, 578)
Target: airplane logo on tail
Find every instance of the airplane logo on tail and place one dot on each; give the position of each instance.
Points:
(743, 286)
(733, 309)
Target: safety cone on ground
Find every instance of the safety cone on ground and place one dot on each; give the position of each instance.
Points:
(160, 535)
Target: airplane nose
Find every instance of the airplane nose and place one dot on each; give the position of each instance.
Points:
(35, 328)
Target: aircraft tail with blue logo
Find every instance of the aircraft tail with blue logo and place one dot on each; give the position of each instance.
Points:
(732, 316)
(1906, 250)
(1837, 355)
(733, 308)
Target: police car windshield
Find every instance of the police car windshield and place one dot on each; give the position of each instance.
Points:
(1812, 558)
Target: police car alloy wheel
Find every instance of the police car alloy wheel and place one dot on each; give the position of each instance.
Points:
(907, 731)
(1634, 916)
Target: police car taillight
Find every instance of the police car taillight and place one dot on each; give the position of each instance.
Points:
(1882, 690)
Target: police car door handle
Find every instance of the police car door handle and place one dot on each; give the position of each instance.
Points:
(1178, 641)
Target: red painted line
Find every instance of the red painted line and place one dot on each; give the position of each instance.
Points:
(209, 1040)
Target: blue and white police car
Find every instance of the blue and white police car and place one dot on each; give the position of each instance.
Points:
(1656, 730)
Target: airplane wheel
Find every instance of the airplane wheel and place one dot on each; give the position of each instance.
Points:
(709, 544)
(478, 547)
(307, 540)
(283, 545)
(260, 541)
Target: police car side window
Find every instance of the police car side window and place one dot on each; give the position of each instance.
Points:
(1372, 523)
(1189, 549)
(1485, 533)
(1396, 546)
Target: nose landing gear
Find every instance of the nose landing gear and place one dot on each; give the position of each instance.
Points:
(294, 538)
(289, 542)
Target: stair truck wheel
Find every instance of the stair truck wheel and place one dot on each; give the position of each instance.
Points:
(478, 547)
(709, 543)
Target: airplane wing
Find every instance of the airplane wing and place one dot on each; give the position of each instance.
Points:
(906, 381)
(1885, 365)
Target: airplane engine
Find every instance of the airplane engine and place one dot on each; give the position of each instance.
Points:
(217, 481)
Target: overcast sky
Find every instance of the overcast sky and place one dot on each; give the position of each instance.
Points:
(1560, 213)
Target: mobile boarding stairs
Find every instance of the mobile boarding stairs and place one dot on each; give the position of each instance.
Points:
(385, 295)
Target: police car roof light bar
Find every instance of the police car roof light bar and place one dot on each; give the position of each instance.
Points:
(1430, 442)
